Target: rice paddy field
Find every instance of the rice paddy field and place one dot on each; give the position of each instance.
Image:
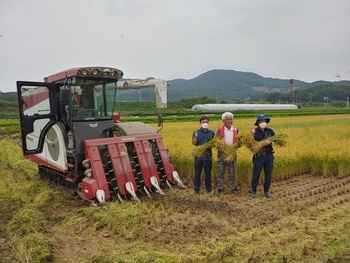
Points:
(318, 145)
(306, 220)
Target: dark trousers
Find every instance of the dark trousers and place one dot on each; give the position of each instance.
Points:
(198, 167)
(260, 162)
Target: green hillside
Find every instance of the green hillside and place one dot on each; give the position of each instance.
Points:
(230, 85)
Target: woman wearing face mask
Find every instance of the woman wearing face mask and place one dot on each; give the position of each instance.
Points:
(200, 137)
(264, 159)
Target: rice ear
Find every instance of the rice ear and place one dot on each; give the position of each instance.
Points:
(200, 150)
(229, 151)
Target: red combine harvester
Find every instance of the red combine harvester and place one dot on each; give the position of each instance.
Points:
(69, 129)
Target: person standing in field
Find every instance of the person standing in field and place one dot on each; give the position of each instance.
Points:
(200, 137)
(228, 133)
(265, 158)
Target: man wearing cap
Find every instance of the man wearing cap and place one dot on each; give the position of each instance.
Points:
(265, 158)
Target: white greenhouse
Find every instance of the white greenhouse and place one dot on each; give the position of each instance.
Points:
(231, 107)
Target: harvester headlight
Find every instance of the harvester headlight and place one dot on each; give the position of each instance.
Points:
(106, 71)
(88, 173)
(84, 72)
(95, 71)
(113, 73)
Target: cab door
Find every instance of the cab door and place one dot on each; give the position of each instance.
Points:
(38, 112)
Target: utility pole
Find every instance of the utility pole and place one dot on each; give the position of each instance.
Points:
(139, 92)
(291, 90)
(325, 100)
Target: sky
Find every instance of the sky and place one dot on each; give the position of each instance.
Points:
(308, 40)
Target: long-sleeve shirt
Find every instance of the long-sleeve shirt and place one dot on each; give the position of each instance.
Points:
(260, 135)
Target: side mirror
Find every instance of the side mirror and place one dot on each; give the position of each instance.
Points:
(160, 120)
(65, 95)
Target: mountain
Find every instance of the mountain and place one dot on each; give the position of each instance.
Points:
(231, 85)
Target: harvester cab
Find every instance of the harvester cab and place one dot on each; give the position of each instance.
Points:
(69, 128)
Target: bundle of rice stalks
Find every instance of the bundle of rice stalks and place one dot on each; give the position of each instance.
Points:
(219, 144)
(200, 150)
(229, 152)
(247, 139)
(279, 139)
(255, 147)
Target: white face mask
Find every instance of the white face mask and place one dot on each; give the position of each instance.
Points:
(205, 125)
(262, 125)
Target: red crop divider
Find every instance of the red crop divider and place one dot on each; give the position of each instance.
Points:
(143, 162)
(168, 167)
(147, 149)
(122, 167)
(147, 167)
(92, 153)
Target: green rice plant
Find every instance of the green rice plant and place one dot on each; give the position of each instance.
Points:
(9, 123)
(8, 127)
(316, 165)
(343, 166)
(329, 166)
(184, 165)
(244, 172)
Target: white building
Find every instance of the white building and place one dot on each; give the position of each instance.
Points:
(232, 107)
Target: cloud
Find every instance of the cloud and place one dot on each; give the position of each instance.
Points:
(306, 40)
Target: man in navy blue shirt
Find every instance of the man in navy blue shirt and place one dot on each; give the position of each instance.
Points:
(265, 158)
(200, 137)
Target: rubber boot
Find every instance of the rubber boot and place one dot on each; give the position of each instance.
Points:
(253, 194)
(266, 192)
